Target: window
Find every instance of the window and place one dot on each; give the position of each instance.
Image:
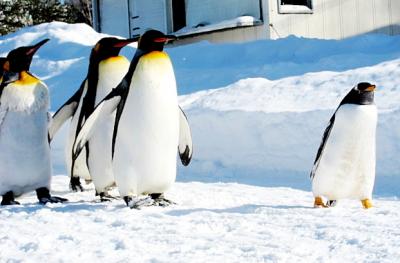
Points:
(178, 14)
(295, 6)
(194, 16)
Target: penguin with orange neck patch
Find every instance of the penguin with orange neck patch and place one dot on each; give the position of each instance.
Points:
(25, 152)
(149, 125)
(106, 70)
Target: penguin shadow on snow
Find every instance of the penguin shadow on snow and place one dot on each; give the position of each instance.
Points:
(81, 205)
(243, 209)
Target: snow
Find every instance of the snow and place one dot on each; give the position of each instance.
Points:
(216, 222)
(299, 9)
(257, 112)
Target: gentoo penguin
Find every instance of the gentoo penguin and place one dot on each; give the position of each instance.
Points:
(149, 125)
(345, 162)
(25, 153)
(106, 70)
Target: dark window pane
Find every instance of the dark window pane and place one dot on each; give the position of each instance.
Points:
(294, 2)
(178, 14)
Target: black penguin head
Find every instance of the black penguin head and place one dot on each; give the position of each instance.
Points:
(2, 61)
(361, 94)
(20, 59)
(363, 87)
(109, 47)
(153, 40)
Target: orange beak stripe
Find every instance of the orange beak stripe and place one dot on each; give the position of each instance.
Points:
(371, 88)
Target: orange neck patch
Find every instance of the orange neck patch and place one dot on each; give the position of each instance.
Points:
(156, 54)
(26, 79)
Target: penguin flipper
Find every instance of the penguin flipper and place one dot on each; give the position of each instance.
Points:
(185, 147)
(65, 112)
(104, 108)
(322, 145)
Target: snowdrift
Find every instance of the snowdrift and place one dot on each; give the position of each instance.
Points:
(264, 125)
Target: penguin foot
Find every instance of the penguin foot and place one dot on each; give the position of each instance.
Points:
(105, 197)
(52, 199)
(366, 203)
(319, 203)
(331, 203)
(44, 197)
(137, 203)
(160, 200)
(75, 184)
(8, 199)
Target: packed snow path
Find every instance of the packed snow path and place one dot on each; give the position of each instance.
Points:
(214, 222)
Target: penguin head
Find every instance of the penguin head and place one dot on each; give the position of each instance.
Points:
(154, 40)
(20, 59)
(109, 47)
(2, 61)
(364, 87)
(361, 94)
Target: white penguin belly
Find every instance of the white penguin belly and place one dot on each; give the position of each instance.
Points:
(111, 72)
(148, 131)
(347, 165)
(80, 165)
(25, 153)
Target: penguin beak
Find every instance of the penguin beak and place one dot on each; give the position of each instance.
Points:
(123, 42)
(165, 39)
(371, 88)
(32, 50)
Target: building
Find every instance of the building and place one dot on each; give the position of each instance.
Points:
(246, 20)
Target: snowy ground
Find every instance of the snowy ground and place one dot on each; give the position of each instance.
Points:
(213, 222)
(257, 112)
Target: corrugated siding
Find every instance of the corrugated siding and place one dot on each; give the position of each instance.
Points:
(148, 14)
(395, 16)
(335, 19)
(114, 17)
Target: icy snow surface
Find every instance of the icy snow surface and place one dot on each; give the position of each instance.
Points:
(257, 112)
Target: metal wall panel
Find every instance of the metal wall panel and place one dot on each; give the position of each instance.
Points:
(114, 17)
(365, 16)
(348, 18)
(147, 14)
(316, 20)
(381, 16)
(336, 19)
(395, 14)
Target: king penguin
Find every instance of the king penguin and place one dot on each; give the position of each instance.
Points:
(25, 152)
(345, 163)
(106, 70)
(149, 125)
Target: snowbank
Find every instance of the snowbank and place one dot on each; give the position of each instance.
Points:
(264, 126)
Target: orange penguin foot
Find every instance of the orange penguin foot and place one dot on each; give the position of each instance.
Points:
(318, 202)
(366, 203)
